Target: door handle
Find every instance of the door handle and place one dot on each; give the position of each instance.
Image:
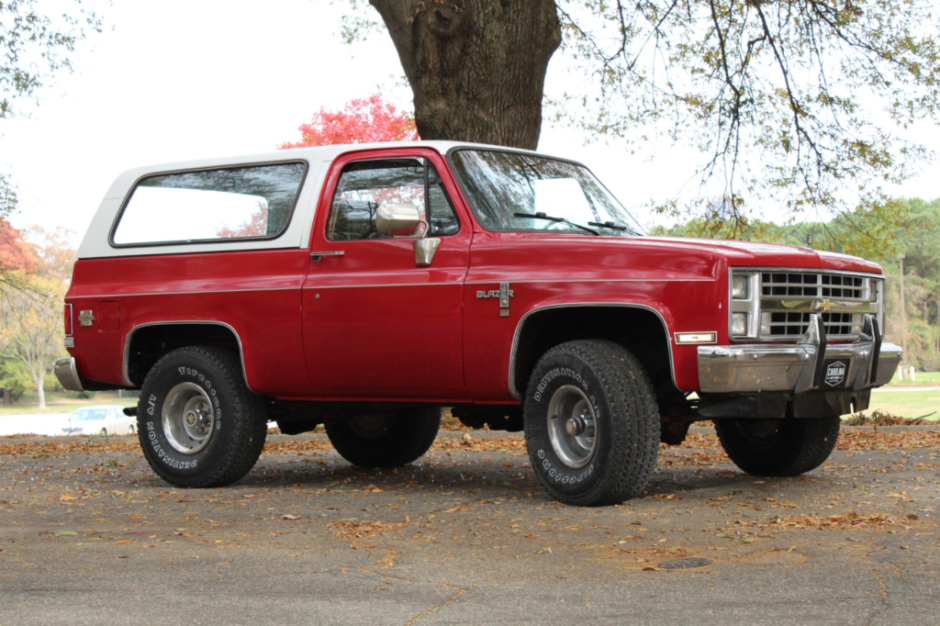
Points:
(316, 256)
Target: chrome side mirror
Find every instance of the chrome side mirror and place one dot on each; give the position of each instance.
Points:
(398, 220)
(425, 248)
(404, 220)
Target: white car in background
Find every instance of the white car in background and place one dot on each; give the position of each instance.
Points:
(100, 420)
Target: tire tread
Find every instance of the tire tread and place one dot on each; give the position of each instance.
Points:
(249, 429)
(635, 439)
(804, 444)
(408, 439)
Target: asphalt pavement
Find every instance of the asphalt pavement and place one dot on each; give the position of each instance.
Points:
(464, 536)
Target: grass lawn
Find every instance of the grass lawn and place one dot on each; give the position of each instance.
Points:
(64, 402)
(923, 379)
(69, 407)
(907, 404)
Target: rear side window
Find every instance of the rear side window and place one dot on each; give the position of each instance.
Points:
(233, 203)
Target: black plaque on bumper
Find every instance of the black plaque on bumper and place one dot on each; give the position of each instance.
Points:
(834, 374)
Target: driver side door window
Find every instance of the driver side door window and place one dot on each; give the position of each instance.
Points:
(364, 186)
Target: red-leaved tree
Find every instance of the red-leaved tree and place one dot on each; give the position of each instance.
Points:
(14, 252)
(256, 226)
(361, 121)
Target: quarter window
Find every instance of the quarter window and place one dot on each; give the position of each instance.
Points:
(366, 185)
(210, 205)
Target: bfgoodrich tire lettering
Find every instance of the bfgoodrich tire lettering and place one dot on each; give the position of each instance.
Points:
(606, 450)
(198, 423)
(385, 439)
(778, 447)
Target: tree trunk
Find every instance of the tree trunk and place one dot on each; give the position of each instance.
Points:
(476, 67)
(7, 397)
(40, 392)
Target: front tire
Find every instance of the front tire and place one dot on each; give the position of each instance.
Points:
(198, 423)
(385, 439)
(591, 423)
(777, 448)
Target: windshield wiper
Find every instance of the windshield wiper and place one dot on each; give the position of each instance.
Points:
(608, 224)
(549, 218)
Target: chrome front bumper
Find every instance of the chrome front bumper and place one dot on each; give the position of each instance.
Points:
(799, 367)
(67, 374)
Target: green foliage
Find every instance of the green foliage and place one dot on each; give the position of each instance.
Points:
(36, 44)
(872, 232)
(15, 377)
(7, 197)
(355, 26)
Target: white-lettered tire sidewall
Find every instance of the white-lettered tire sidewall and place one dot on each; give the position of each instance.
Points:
(557, 477)
(164, 459)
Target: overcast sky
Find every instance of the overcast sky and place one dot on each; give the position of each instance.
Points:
(182, 79)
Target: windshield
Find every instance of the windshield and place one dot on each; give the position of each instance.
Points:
(510, 192)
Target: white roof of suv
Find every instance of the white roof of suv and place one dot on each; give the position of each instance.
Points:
(96, 242)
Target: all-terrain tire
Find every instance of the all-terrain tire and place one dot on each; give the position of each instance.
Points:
(780, 448)
(600, 387)
(385, 439)
(198, 423)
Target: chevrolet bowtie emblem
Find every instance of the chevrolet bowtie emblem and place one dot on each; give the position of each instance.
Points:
(826, 305)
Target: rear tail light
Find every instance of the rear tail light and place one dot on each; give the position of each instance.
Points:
(68, 320)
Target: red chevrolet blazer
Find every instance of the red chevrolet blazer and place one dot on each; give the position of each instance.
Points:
(367, 287)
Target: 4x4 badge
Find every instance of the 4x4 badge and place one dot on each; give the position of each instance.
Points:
(835, 373)
(504, 294)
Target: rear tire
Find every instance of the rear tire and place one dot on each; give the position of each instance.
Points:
(777, 448)
(198, 423)
(385, 439)
(591, 423)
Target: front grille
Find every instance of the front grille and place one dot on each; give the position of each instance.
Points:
(794, 325)
(807, 285)
(788, 299)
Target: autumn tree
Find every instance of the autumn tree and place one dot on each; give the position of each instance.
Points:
(31, 313)
(792, 102)
(363, 120)
(14, 252)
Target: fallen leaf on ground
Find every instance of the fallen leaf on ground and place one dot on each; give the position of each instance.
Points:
(833, 522)
(362, 530)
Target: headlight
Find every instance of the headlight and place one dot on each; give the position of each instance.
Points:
(739, 324)
(739, 284)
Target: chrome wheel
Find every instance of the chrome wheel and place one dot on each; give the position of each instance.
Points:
(572, 426)
(188, 419)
